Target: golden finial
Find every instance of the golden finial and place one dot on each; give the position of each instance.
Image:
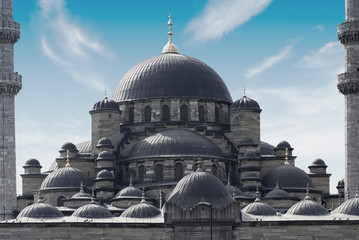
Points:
(105, 93)
(67, 159)
(244, 92)
(286, 157)
(170, 47)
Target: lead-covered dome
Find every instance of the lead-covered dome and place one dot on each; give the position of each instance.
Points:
(106, 104)
(171, 75)
(40, 210)
(92, 210)
(175, 142)
(246, 103)
(307, 207)
(141, 210)
(350, 206)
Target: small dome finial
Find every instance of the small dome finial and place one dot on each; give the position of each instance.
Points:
(143, 196)
(93, 197)
(307, 194)
(229, 179)
(357, 191)
(106, 93)
(276, 184)
(67, 159)
(170, 47)
(199, 164)
(131, 184)
(233, 193)
(286, 157)
(244, 92)
(82, 187)
(257, 195)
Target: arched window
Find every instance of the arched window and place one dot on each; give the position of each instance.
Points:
(147, 113)
(201, 113)
(216, 114)
(214, 170)
(60, 201)
(131, 114)
(178, 171)
(141, 173)
(159, 173)
(165, 113)
(184, 113)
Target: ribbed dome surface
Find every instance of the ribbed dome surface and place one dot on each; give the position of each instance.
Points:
(192, 188)
(278, 193)
(81, 194)
(259, 208)
(68, 146)
(67, 177)
(104, 143)
(350, 207)
(307, 207)
(141, 210)
(105, 155)
(129, 191)
(236, 191)
(267, 149)
(171, 75)
(84, 147)
(104, 175)
(318, 163)
(92, 210)
(106, 104)
(32, 163)
(175, 142)
(287, 177)
(40, 210)
(284, 144)
(246, 103)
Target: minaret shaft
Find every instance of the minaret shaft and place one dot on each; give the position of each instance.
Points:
(10, 85)
(348, 84)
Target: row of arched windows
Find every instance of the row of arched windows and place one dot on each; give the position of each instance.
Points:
(178, 172)
(166, 115)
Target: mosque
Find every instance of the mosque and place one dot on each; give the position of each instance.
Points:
(172, 156)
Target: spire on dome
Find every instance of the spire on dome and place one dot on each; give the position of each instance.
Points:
(131, 184)
(286, 157)
(67, 159)
(170, 47)
(106, 93)
(307, 197)
(257, 195)
(143, 200)
(357, 192)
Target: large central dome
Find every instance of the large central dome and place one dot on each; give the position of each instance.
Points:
(171, 75)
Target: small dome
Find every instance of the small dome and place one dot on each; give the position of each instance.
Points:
(307, 207)
(277, 193)
(192, 188)
(259, 208)
(84, 147)
(32, 163)
(106, 104)
(40, 210)
(318, 163)
(233, 189)
(104, 143)
(350, 206)
(287, 177)
(104, 175)
(105, 155)
(141, 210)
(247, 141)
(68, 146)
(67, 177)
(341, 183)
(267, 149)
(175, 143)
(250, 155)
(92, 210)
(246, 103)
(81, 195)
(283, 145)
(129, 191)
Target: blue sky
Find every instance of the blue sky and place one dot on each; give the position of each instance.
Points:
(284, 52)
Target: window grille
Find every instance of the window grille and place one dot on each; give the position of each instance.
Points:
(131, 114)
(201, 113)
(178, 171)
(148, 112)
(159, 173)
(184, 113)
(165, 113)
(217, 114)
(141, 173)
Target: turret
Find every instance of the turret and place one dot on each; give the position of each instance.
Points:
(348, 85)
(320, 177)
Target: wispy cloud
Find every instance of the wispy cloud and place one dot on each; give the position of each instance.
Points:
(270, 62)
(319, 28)
(68, 44)
(331, 54)
(222, 16)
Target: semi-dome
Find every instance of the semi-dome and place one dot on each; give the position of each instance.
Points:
(287, 177)
(32, 163)
(199, 185)
(350, 206)
(68, 146)
(259, 208)
(141, 210)
(92, 210)
(67, 177)
(104, 175)
(246, 103)
(84, 147)
(175, 142)
(104, 143)
(40, 210)
(106, 104)
(171, 75)
(308, 207)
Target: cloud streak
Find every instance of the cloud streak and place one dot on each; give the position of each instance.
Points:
(67, 44)
(270, 62)
(222, 16)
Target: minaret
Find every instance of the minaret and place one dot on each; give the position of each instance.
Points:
(348, 84)
(10, 85)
